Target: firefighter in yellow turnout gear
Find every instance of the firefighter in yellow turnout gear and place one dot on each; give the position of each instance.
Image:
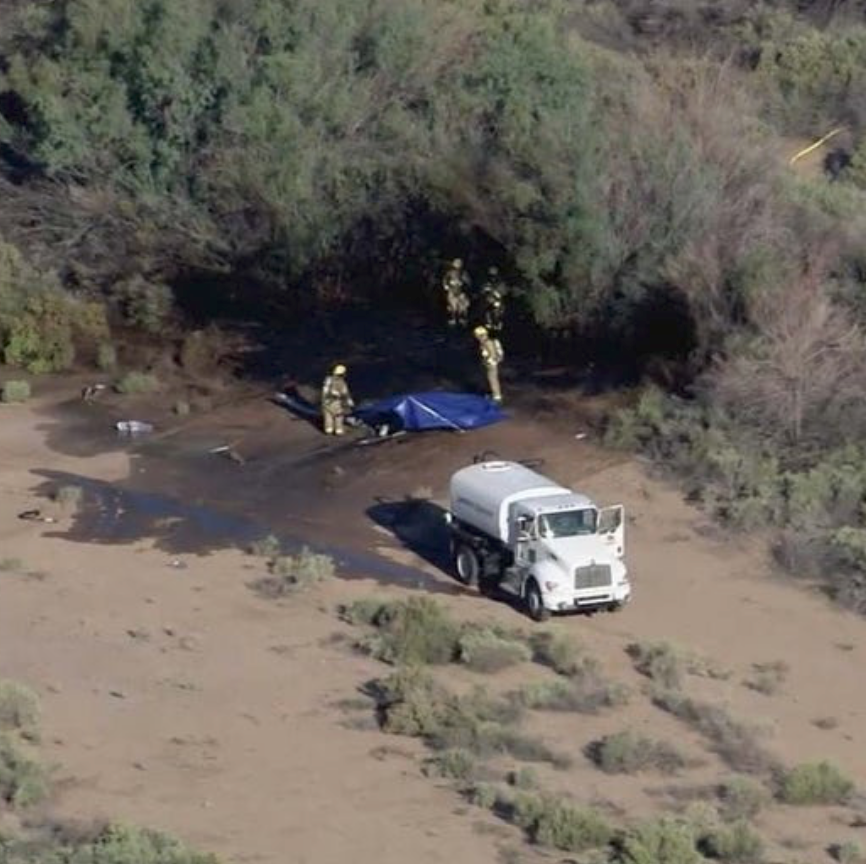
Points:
(493, 297)
(455, 284)
(491, 356)
(337, 401)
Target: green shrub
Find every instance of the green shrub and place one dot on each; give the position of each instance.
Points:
(663, 842)
(40, 327)
(266, 547)
(453, 764)
(146, 306)
(411, 703)
(23, 781)
(733, 741)
(115, 844)
(485, 650)
(292, 573)
(768, 677)
(562, 654)
(134, 383)
(15, 391)
(742, 798)
(19, 710)
(11, 565)
(627, 753)
(366, 611)
(585, 695)
(849, 852)
(659, 661)
(106, 357)
(418, 630)
(523, 778)
(736, 844)
(815, 783)
(554, 822)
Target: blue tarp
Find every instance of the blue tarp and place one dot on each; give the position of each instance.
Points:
(416, 412)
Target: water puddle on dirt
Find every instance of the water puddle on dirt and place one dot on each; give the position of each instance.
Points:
(112, 514)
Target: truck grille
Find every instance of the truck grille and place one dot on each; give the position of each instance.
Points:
(592, 576)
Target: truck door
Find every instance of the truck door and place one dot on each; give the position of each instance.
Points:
(611, 526)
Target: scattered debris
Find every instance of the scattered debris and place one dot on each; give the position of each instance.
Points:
(35, 516)
(89, 393)
(178, 564)
(580, 436)
(133, 427)
(230, 453)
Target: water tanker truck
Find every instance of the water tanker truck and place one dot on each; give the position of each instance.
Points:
(516, 530)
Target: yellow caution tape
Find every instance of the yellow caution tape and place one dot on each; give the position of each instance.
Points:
(807, 150)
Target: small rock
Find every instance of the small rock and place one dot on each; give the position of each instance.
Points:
(117, 694)
(138, 766)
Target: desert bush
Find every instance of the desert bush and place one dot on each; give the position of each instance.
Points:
(411, 703)
(146, 306)
(523, 778)
(15, 391)
(742, 798)
(735, 742)
(811, 76)
(114, 844)
(737, 843)
(849, 852)
(106, 357)
(485, 650)
(266, 547)
(627, 753)
(453, 764)
(814, 784)
(292, 573)
(552, 821)
(659, 661)
(23, 781)
(134, 383)
(663, 842)
(768, 677)
(800, 378)
(11, 565)
(365, 611)
(418, 630)
(181, 408)
(19, 710)
(562, 654)
(41, 324)
(586, 695)
(202, 350)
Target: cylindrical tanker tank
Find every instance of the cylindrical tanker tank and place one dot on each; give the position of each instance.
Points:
(482, 494)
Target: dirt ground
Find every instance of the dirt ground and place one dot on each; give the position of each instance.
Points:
(176, 697)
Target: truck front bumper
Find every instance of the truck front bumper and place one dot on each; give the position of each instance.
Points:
(614, 595)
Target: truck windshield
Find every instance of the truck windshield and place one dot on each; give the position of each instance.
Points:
(568, 523)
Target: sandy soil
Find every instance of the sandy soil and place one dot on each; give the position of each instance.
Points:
(176, 697)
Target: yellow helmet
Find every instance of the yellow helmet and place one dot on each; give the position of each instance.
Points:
(479, 332)
(339, 369)
(457, 262)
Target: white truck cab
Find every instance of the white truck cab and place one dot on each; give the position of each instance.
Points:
(553, 548)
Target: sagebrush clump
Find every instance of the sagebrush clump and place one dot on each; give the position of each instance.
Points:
(292, 573)
(815, 783)
(628, 753)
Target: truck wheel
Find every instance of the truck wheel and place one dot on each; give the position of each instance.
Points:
(534, 602)
(467, 565)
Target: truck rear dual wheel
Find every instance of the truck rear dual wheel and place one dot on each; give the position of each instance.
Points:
(467, 565)
(535, 603)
